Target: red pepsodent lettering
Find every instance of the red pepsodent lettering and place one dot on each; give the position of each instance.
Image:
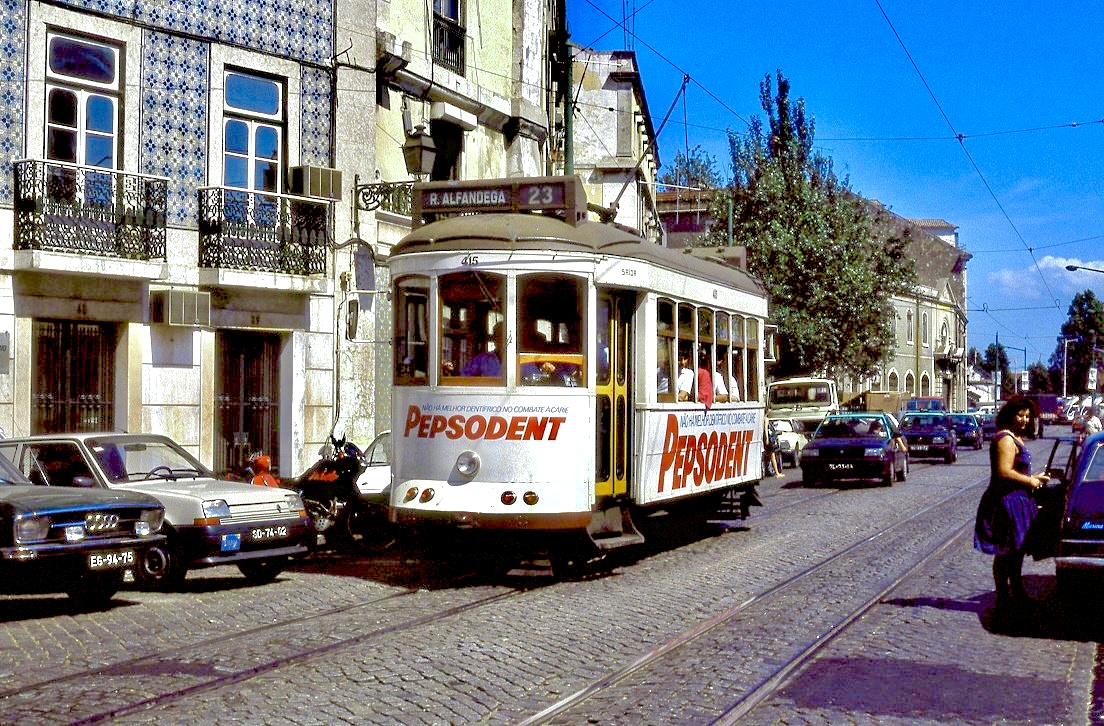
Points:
(705, 458)
(514, 428)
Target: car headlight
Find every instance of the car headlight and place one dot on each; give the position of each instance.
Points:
(150, 522)
(216, 508)
(295, 502)
(805, 453)
(875, 452)
(31, 529)
(939, 439)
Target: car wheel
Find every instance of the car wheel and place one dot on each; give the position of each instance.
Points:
(887, 479)
(94, 590)
(947, 458)
(261, 572)
(807, 480)
(162, 568)
(1071, 584)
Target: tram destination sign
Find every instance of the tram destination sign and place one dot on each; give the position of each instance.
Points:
(559, 195)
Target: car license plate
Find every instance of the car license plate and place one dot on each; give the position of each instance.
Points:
(839, 467)
(111, 560)
(919, 447)
(260, 534)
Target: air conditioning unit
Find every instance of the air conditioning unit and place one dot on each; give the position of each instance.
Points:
(181, 307)
(315, 181)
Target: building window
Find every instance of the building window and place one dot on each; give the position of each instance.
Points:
(924, 335)
(944, 335)
(908, 328)
(82, 102)
(894, 382)
(448, 34)
(253, 132)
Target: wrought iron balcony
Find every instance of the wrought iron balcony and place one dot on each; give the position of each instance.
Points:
(394, 197)
(263, 231)
(89, 210)
(448, 43)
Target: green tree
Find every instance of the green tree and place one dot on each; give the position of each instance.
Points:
(813, 243)
(1038, 378)
(1084, 331)
(996, 359)
(694, 168)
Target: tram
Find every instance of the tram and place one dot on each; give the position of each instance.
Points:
(545, 369)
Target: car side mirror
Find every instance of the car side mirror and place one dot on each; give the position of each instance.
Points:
(84, 481)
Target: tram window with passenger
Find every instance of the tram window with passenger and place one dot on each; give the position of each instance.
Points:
(473, 334)
(550, 325)
(665, 351)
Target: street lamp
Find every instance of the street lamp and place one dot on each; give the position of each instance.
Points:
(1075, 268)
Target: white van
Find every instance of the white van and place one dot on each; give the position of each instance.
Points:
(803, 399)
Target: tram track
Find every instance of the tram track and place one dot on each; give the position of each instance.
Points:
(617, 687)
(175, 674)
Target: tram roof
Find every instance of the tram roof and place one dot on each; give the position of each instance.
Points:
(539, 232)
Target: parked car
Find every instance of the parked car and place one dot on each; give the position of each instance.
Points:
(930, 434)
(1079, 550)
(791, 440)
(850, 446)
(76, 541)
(374, 483)
(967, 429)
(208, 521)
(988, 421)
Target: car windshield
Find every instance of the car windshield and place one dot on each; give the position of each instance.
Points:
(782, 427)
(964, 420)
(1094, 470)
(126, 459)
(852, 428)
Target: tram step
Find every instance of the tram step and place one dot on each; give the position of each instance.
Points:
(621, 540)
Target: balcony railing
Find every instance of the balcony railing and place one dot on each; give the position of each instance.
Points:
(63, 207)
(448, 43)
(394, 197)
(262, 231)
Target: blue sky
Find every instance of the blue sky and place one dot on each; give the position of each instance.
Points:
(1025, 186)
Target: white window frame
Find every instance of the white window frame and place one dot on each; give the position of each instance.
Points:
(255, 121)
(84, 90)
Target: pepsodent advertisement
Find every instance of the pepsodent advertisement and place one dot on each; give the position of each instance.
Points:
(689, 452)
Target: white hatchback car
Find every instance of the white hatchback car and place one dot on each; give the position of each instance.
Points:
(791, 440)
(208, 521)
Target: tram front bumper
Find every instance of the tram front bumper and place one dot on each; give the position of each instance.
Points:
(492, 520)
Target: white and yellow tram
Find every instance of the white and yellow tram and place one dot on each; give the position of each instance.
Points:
(545, 374)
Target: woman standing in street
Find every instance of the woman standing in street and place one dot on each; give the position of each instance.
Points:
(1007, 508)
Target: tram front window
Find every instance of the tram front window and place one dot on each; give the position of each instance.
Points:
(550, 350)
(472, 342)
(411, 324)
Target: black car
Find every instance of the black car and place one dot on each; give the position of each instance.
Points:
(967, 429)
(930, 434)
(848, 446)
(1079, 555)
(77, 541)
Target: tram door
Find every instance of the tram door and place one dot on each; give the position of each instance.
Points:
(614, 371)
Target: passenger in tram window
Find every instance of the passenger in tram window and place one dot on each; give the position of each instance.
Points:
(685, 383)
(705, 377)
(487, 363)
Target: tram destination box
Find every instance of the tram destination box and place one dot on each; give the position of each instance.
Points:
(562, 196)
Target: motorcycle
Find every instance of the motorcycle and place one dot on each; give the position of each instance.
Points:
(341, 513)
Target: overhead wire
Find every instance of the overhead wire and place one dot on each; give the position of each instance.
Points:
(962, 144)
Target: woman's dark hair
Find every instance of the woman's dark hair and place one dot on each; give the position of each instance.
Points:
(1006, 416)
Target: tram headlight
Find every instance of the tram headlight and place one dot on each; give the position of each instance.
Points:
(508, 498)
(468, 463)
(530, 498)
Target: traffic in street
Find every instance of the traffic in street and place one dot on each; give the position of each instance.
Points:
(848, 602)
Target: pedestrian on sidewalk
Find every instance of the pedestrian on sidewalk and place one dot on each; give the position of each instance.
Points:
(1007, 507)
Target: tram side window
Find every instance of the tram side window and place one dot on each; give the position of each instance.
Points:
(411, 326)
(725, 388)
(550, 325)
(665, 350)
(472, 335)
(686, 387)
(753, 358)
(738, 360)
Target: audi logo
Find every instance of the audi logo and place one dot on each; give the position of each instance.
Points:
(100, 522)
